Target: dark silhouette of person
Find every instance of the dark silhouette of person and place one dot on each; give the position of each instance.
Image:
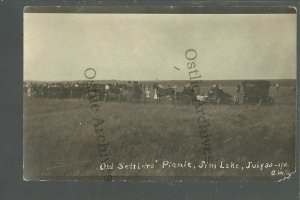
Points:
(238, 89)
(277, 87)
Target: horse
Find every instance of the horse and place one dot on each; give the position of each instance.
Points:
(136, 91)
(160, 91)
(187, 95)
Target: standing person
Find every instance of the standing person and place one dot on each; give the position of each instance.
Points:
(277, 87)
(147, 93)
(155, 95)
(187, 85)
(238, 89)
(29, 90)
(106, 87)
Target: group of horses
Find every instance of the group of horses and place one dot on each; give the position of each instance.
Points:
(109, 92)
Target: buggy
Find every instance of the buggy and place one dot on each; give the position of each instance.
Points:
(216, 95)
(257, 92)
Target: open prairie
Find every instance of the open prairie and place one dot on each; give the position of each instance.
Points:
(59, 139)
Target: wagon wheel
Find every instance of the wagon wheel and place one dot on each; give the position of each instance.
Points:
(243, 101)
(237, 101)
(260, 102)
(271, 101)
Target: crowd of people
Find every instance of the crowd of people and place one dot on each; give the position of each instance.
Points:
(120, 91)
(78, 90)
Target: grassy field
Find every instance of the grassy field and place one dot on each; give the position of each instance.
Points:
(59, 139)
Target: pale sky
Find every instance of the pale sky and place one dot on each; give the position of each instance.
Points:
(146, 46)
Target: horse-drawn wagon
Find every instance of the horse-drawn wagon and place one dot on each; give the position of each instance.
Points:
(257, 92)
(216, 95)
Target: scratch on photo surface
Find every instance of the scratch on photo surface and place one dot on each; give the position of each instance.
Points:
(176, 67)
(286, 177)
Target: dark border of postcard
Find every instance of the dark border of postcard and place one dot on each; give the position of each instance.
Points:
(11, 76)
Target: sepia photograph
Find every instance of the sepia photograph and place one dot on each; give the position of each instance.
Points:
(159, 96)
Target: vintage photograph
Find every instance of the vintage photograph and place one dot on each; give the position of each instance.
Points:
(156, 96)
